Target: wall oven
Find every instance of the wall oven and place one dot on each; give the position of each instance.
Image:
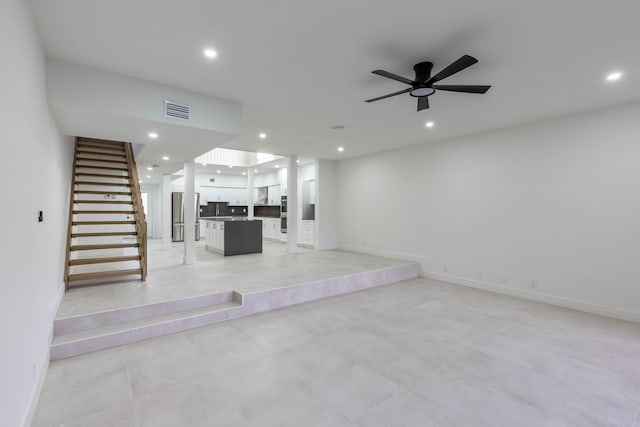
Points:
(283, 214)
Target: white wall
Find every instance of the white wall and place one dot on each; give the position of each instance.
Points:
(37, 161)
(154, 216)
(556, 202)
(84, 88)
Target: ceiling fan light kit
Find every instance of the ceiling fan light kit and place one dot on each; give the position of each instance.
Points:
(423, 86)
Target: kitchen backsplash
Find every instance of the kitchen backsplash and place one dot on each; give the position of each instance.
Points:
(224, 209)
(270, 211)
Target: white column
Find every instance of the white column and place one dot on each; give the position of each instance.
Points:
(189, 213)
(166, 212)
(250, 191)
(326, 223)
(292, 204)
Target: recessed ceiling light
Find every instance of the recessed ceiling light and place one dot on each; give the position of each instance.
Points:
(165, 157)
(255, 171)
(429, 124)
(341, 149)
(219, 171)
(297, 160)
(204, 163)
(148, 176)
(244, 173)
(614, 76)
(149, 168)
(230, 166)
(262, 136)
(277, 166)
(140, 181)
(153, 135)
(210, 53)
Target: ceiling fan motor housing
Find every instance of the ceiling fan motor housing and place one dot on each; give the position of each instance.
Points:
(423, 71)
(419, 86)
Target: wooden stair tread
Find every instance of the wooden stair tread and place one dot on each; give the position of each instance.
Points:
(104, 274)
(108, 184)
(107, 168)
(103, 212)
(101, 222)
(115, 202)
(113, 153)
(103, 175)
(118, 193)
(104, 234)
(97, 159)
(85, 261)
(103, 246)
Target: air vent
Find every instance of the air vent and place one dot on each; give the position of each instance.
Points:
(177, 111)
(212, 180)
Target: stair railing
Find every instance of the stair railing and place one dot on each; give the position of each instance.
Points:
(70, 223)
(141, 223)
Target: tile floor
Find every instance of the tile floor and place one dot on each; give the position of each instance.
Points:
(415, 353)
(169, 279)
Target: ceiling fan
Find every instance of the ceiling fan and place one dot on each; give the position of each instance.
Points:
(423, 86)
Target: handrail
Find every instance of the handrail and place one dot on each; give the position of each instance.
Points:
(141, 223)
(70, 222)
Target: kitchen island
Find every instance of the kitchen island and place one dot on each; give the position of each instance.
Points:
(233, 235)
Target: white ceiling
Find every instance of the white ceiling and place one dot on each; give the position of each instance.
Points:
(300, 67)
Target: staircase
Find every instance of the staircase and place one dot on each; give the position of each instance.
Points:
(107, 232)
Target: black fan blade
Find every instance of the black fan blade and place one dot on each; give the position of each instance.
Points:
(423, 103)
(392, 76)
(457, 66)
(388, 96)
(463, 88)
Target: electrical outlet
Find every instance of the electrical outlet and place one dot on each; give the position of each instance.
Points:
(534, 284)
(445, 268)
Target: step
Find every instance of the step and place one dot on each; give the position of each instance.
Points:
(87, 140)
(76, 212)
(107, 202)
(101, 222)
(85, 261)
(100, 319)
(110, 147)
(103, 246)
(107, 168)
(99, 160)
(120, 153)
(74, 344)
(102, 175)
(106, 184)
(104, 234)
(104, 274)
(118, 193)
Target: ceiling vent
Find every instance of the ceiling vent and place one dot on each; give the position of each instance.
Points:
(176, 111)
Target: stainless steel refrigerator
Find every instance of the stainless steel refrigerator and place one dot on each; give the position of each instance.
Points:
(177, 216)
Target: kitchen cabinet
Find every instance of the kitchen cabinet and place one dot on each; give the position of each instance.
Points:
(215, 235)
(306, 234)
(274, 195)
(270, 228)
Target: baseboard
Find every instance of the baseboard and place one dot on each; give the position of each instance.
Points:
(580, 305)
(44, 364)
(388, 254)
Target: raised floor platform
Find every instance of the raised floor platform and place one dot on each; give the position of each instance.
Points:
(177, 297)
